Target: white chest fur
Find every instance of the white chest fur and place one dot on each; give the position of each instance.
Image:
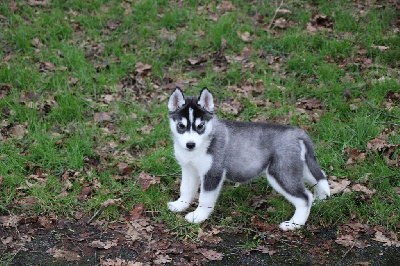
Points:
(198, 159)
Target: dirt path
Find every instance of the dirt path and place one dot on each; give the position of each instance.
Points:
(36, 241)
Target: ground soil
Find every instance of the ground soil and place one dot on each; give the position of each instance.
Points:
(32, 244)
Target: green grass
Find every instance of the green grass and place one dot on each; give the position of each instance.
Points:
(93, 59)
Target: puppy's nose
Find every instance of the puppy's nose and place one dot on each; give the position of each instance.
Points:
(190, 145)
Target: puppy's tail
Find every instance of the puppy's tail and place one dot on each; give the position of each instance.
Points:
(322, 187)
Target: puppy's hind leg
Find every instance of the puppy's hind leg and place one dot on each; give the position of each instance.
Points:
(189, 186)
(296, 193)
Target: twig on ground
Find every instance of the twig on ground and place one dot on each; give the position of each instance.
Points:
(97, 213)
(14, 223)
(377, 109)
(347, 252)
(273, 17)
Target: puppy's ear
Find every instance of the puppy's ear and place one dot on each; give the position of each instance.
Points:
(206, 100)
(176, 100)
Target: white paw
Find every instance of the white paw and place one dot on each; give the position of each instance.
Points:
(178, 206)
(289, 225)
(199, 215)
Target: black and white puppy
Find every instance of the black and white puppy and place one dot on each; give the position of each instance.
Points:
(210, 150)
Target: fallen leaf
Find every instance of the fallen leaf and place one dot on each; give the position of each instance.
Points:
(380, 237)
(63, 254)
(338, 187)
(12, 6)
(380, 47)
(354, 155)
(102, 245)
(138, 229)
(225, 6)
(146, 180)
(124, 169)
(110, 202)
(211, 254)
(245, 36)
(101, 117)
(162, 259)
(118, 262)
(113, 24)
(27, 201)
(231, 108)
(197, 61)
(349, 241)
(281, 23)
(35, 3)
(283, 11)
(11, 220)
(209, 236)
(18, 132)
(6, 240)
(45, 222)
(85, 192)
(145, 129)
(136, 212)
(358, 187)
(264, 250)
(142, 69)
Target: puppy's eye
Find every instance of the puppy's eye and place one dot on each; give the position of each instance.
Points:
(181, 126)
(200, 126)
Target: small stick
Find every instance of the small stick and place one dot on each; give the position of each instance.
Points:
(276, 12)
(97, 213)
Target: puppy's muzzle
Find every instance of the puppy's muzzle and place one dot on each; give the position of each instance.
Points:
(190, 145)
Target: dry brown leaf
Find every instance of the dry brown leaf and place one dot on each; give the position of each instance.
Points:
(225, 6)
(264, 250)
(124, 168)
(211, 254)
(18, 132)
(281, 23)
(245, 36)
(12, 6)
(209, 236)
(138, 229)
(85, 192)
(142, 68)
(162, 259)
(136, 212)
(103, 245)
(110, 202)
(145, 129)
(350, 241)
(146, 180)
(6, 240)
(63, 254)
(35, 3)
(358, 187)
(380, 47)
(354, 155)
(11, 220)
(392, 241)
(283, 11)
(230, 108)
(101, 117)
(338, 186)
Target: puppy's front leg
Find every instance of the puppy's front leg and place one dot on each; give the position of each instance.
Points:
(210, 189)
(189, 185)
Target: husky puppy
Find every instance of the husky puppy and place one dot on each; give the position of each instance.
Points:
(210, 150)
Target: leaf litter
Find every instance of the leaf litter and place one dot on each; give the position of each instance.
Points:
(140, 232)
